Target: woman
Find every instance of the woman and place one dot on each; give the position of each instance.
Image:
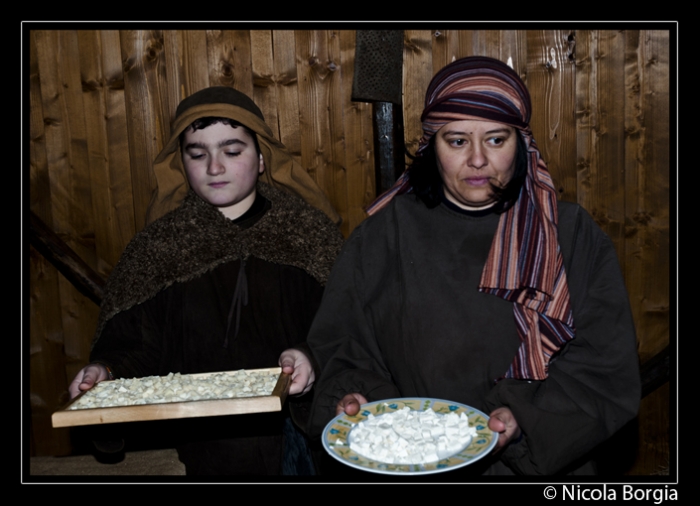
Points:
(479, 287)
(227, 277)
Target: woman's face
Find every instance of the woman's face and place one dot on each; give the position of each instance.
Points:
(473, 155)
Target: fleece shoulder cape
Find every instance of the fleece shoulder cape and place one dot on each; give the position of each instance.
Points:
(196, 237)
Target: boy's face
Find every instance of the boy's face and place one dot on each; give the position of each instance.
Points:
(222, 166)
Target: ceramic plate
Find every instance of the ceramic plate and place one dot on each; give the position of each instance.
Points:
(335, 437)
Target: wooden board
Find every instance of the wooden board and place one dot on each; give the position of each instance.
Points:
(189, 409)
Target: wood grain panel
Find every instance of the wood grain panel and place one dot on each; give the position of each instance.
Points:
(174, 76)
(338, 98)
(321, 123)
(66, 145)
(653, 455)
(229, 56)
(610, 183)
(312, 120)
(195, 61)
(447, 46)
(513, 50)
(143, 66)
(550, 76)
(586, 117)
(47, 375)
(602, 192)
(39, 184)
(647, 177)
(44, 303)
(96, 171)
(62, 95)
(359, 144)
(442, 47)
(285, 72)
(105, 118)
(121, 191)
(509, 46)
(79, 226)
(417, 73)
(264, 89)
(486, 43)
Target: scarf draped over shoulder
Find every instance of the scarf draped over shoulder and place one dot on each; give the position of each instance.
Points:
(525, 264)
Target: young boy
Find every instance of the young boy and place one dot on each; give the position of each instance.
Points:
(229, 279)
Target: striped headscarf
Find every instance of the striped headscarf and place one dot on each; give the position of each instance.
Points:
(525, 265)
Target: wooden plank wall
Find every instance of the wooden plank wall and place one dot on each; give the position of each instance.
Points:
(101, 102)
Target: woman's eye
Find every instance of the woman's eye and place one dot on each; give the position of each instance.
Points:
(232, 154)
(196, 157)
(457, 142)
(496, 141)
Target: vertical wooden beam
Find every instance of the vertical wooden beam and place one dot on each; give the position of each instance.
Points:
(229, 57)
(447, 46)
(66, 143)
(601, 188)
(647, 210)
(359, 149)
(319, 71)
(195, 60)
(647, 180)
(39, 182)
(146, 109)
(417, 73)
(513, 50)
(336, 110)
(550, 79)
(47, 362)
(65, 348)
(653, 456)
(109, 165)
(264, 89)
(174, 74)
(47, 374)
(286, 83)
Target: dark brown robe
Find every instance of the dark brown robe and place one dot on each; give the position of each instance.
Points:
(171, 295)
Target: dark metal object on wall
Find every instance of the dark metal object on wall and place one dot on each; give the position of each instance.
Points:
(378, 66)
(378, 79)
(389, 145)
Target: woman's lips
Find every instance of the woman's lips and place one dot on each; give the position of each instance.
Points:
(477, 181)
(218, 184)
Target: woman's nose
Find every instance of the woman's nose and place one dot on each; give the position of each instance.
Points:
(476, 158)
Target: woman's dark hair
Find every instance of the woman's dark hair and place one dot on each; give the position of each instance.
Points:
(202, 123)
(424, 177)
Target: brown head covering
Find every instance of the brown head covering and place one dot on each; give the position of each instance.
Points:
(281, 171)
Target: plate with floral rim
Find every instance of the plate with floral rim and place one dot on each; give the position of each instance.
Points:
(337, 433)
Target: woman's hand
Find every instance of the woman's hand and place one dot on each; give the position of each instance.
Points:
(503, 422)
(296, 363)
(86, 378)
(350, 404)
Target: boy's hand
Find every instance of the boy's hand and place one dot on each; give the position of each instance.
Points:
(296, 363)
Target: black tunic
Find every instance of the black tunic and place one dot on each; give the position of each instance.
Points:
(402, 316)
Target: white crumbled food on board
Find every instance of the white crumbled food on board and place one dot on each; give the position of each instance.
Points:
(411, 437)
(177, 388)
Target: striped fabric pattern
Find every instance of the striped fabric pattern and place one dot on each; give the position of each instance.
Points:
(525, 265)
